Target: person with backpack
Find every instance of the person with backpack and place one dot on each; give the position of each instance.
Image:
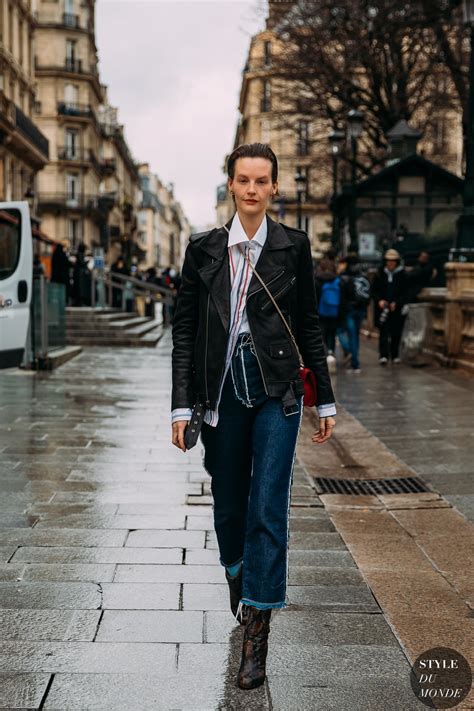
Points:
(356, 294)
(328, 291)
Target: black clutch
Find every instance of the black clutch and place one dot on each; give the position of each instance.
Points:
(191, 433)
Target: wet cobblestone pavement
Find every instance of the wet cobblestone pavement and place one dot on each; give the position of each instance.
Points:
(111, 596)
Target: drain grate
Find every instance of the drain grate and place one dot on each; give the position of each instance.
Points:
(358, 487)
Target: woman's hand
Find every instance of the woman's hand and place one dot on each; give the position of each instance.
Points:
(326, 426)
(177, 429)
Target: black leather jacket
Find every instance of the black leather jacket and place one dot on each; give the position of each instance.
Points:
(201, 319)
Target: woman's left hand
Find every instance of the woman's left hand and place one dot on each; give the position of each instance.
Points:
(326, 426)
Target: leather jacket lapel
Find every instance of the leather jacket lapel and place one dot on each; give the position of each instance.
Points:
(272, 258)
(215, 274)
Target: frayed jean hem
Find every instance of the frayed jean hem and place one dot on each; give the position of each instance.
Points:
(263, 605)
(230, 565)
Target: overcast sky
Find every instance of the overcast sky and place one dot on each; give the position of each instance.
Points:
(173, 69)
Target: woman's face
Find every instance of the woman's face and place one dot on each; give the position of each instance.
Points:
(252, 185)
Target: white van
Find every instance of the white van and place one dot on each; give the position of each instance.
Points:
(16, 281)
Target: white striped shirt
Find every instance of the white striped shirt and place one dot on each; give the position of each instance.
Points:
(240, 275)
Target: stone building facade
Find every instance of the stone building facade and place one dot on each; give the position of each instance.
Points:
(163, 226)
(302, 147)
(24, 149)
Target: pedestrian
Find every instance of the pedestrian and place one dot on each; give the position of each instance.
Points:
(389, 291)
(356, 289)
(234, 357)
(61, 269)
(328, 292)
(419, 277)
(81, 278)
(118, 285)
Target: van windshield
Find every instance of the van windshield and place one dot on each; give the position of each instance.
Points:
(10, 238)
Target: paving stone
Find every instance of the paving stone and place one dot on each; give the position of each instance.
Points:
(31, 625)
(87, 657)
(336, 694)
(348, 598)
(166, 539)
(311, 525)
(114, 691)
(150, 626)
(67, 596)
(218, 625)
(206, 556)
(205, 597)
(309, 575)
(169, 574)
(77, 572)
(141, 596)
(22, 691)
(330, 628)
(59, 537)
(9, 572)
(76, 554)
(199, 523)
(99, 521)
(304, 540)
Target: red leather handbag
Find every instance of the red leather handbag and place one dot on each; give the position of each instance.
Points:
(306, 375)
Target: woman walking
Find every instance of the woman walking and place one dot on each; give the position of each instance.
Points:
(236, 360)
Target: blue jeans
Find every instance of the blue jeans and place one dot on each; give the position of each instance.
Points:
(250, 456)
(348, 334)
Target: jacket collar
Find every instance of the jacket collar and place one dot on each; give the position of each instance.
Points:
(215, 244)
(216, 277)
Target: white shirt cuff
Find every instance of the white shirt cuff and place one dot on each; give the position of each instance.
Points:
(181, 413)
(328, 410)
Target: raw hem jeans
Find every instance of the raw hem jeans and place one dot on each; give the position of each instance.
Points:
(250, 456)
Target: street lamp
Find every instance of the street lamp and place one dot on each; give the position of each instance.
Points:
(335, 139)
(464, 245)
(300, 181)
(355, 121)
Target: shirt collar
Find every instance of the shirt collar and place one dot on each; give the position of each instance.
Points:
(237, 232)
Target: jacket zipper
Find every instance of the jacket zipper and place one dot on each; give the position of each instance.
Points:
(205, 352)
(283, 290)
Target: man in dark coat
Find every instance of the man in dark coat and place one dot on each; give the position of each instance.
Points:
(419, 277)
(81, 279)
(60, 269)
(389, 291)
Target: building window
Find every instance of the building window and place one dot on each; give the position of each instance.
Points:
(10, 28)
(70, 95)
(72, 189)
(71, 143)
(20, 42)
(304, 170)
(70, 54)
(265, 101)
(267, 52)
(302, 138)
(172, 249)
(73, 232)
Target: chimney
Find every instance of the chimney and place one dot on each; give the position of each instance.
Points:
(402, 140)
(277, 9)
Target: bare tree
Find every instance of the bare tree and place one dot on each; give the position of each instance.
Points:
(390, 60)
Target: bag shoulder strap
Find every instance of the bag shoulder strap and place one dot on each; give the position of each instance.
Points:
(274, 303)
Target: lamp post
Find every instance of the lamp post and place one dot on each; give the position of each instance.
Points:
(300, 181)
(354, 125)
(335, 139)
(463, 250)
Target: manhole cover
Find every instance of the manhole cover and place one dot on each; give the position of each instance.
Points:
(359, 487)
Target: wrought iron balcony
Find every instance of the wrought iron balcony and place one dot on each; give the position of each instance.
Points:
(66, 201)
(73, 65)
(28, 129)
(71, 153)
(70, 20)
(73, 109)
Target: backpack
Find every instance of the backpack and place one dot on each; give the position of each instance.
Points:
(360, 290)
(330, 298)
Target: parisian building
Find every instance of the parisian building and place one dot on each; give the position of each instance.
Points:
(303, 148)
(163, 226)
(24, 148)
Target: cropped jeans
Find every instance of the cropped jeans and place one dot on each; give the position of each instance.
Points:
(250, 457)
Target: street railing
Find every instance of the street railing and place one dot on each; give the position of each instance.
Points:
(105, 285)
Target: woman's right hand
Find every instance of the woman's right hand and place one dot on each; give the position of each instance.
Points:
(177, 429)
